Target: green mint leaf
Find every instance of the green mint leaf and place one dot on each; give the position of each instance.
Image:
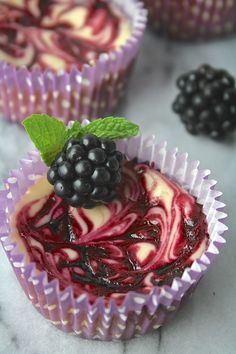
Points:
(74, 131)
(48, 134)
(111, 128)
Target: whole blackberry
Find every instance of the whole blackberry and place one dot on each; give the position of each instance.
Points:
(207, 102)
(87, 171)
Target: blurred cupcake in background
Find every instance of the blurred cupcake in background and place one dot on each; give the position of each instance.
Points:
(192, 19)
(71, 59)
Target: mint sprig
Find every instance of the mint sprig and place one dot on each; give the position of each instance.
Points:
(74, 132)
(49, 134)
(111, 128)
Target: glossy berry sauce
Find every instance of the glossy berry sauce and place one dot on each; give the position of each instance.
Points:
(56, 34)
(144, 238)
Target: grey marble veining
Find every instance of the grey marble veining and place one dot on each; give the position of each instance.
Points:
(207, 323)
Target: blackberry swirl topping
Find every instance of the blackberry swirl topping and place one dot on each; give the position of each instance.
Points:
(145, 237)
(59, 34)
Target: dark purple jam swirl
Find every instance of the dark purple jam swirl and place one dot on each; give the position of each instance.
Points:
(56, 34)
(146, 237)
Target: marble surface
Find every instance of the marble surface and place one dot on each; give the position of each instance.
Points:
(207, 323)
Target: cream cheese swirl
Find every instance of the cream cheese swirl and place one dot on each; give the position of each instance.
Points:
(59, 34)
(146, 237)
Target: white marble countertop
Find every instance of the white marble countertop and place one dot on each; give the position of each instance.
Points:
(207, 323)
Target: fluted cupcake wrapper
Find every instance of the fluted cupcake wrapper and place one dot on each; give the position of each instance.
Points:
(91, 92)
(138, 313)
(193, 19)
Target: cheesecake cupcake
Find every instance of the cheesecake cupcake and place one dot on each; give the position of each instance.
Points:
(71, 59)
(110, 238)
(187, 20)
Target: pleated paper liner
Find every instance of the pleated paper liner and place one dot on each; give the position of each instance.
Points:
(192, 19)
(92, 92)
(138, 313)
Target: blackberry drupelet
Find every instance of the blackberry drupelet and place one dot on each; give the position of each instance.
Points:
(207, 102)
(87, 172)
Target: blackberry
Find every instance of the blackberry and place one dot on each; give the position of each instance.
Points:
(87, 172)
(206, 103)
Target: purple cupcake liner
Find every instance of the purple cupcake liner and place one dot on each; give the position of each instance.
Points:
(186, 20)
(138, 313)
(90, 92)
